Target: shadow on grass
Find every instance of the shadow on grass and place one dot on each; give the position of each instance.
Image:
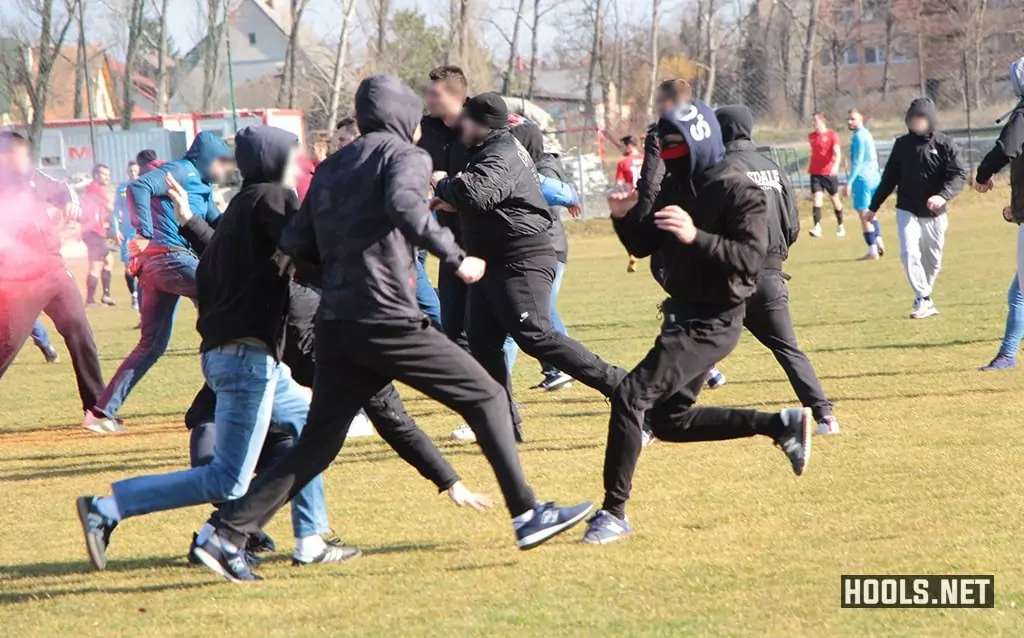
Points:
(965, 392)
(74, 430)
(471, 568)
(859, 375)
(15, 597)
(906, 346)
(77, 567)
(120, 465)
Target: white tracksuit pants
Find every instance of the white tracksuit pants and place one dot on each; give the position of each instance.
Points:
(921, 242)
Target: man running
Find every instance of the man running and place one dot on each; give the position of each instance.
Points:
(168, 264)
(861, 182)
(96, 213)
(122, 228)
(927, 171)
(708, 243)
(628, 173)
(824, 171)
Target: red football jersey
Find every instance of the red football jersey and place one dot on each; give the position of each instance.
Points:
(823, 156)
(628, 170)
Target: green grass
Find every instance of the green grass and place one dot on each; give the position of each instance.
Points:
(926, 478)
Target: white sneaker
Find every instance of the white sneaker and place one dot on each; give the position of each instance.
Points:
(816, 231)
(361, 426)
(102, 425)
(827, 425)
(841, 231)
(924, 308)
(463, 433)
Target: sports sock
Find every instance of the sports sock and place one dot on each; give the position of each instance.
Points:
(310, 546)
(869, 238)
(90, 288)
(839, 216)
(130, 282)
(816, 211)
(108, 507)
(105, 277)
(878, 229)
(205, 533)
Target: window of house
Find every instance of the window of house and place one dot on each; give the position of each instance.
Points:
(845, 15)
(850, 57)
(252, 38)
(874, 55)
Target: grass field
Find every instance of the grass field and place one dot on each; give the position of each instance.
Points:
(925, 478)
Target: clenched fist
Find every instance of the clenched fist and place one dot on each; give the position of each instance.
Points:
(677, 221)
(471, 270)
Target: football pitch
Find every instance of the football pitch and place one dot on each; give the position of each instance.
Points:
(926, 478)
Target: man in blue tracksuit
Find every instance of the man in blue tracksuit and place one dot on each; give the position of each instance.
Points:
(168, 263)
(862, 181)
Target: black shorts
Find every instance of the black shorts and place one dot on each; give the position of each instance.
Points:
(827, 183)
(96, 245)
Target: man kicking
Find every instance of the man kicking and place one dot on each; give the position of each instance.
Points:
(824, 171)
(505, 221)
(926, 170)
(364, 212)
(768, 317)
(861, 182)
(168, 263)
(708, 241)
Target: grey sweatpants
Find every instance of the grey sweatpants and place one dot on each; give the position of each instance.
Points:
(921, 241)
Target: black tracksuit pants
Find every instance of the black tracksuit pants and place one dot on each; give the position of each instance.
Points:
(57, 295)
(665, 385)
(355, 360)
(769, 320)
(515, 299)
(384, 409)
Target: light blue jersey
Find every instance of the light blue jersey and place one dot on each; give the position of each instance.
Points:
(863, 158)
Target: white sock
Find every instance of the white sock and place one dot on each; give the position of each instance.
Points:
(108, 507)
(205, 533)
(310, 546)
(522, 519)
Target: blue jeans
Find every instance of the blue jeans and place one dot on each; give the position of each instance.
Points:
(510, 347)
(1014, 320)
(426, 296)
(252, 390)
(166, 278)
(39, 335)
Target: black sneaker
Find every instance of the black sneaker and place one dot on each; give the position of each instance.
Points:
(260, 543)
(335, 552)
(51, 354)
(796, 440)
(97, 529)
(561, 380)
(193, 558)
(549, 521)
(232, 565)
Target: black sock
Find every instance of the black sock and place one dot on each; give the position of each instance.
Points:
(839, 216)
(90, 288)
(130, 282)
(769, 424)
(817, 214)
(105, 276)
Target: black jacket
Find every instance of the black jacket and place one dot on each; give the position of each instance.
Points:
(447, 153)
(783, 217)
(651, 174)
(367, 207)
(1009, 149)
(921, 166)
(504, 215)
(239, 289)
(719, 269)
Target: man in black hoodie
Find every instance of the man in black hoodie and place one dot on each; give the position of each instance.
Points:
(767, 315)
(707, 243)
(506, 221)
(365, 209)
(926, 170)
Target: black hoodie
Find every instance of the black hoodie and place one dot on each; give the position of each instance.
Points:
(783, 217)
(367, 207)
(241, 295)
(921, 166)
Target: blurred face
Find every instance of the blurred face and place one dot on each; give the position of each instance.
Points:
(442, 101)
(472, 133)
(133, 171)
(854, 121)
(219, 169)
(18, 159)
(102, 176)
(320, 151)
(292, 170)
(340, 139)
(664, 102)
(919, 124)
(818, 123)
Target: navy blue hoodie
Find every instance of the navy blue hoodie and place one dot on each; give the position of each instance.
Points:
(718, 270)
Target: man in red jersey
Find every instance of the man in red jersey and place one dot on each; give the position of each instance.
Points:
(96, 211)
(824, 169)
(628, 172)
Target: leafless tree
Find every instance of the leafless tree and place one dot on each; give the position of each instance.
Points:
(513, 48)
(348, 9)
(807, 63)
(711, 50)
(655, 58)
(216, 29)
(161, 58)
(135, 16)
(286, 92)
(381, 10)
(540, 9)
(596, 8)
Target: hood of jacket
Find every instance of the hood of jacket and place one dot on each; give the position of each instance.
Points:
(1017, 77)
(206, 149)
(262, 152)
(736, 122)
(698, 125)
(530, 137)
(385, 103)
(923, 107)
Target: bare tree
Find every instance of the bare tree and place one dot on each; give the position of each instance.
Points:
(807, 64)
(286, 92)
(135, 16)
(81, 63)
(464, 12)
(889, 19)
(381, 10)
(161, 58)
(596, 45)
(348, 9)
(540, 9)
(655, 60)
(711, 50)
(513, 48)
(216, 29)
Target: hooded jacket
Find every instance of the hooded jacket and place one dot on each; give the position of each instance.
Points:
(549, 168)
(447, 154)
(367, 207)
(718, 270)
(921, 166)
(504, 214)
(240, 292)
(783, 217)
(153, 212)
(1009, 148)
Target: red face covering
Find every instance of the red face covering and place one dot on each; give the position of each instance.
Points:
(675, 151)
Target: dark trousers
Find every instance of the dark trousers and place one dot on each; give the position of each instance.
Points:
(665, 385)
(355, 360)
(453, 295)
(57, 295)
(515, 299)
(769, 320)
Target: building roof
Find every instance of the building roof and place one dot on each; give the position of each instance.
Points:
(566, 84)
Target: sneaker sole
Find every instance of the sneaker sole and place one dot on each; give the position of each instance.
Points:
(539, 538)
(558, 386)
(606, 541)
(301, 563)
(97, 557)
(211, 563)
(808, 426)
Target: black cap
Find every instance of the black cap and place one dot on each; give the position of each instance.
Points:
(487, 109)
